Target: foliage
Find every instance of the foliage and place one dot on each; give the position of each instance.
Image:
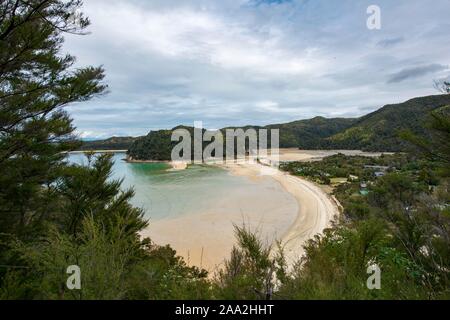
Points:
(436, 149)
(361, 168)
(36, 82)
(378, 131)
(157, 145)
(442, 85)
(114, 143)
(53, 215)
(251, 271)
(98, 231)
(402, 225)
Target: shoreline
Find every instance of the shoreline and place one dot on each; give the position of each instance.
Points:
(205, 239)
(316, 209)
(176, 165)
(96, 151)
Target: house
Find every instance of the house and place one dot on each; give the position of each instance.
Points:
(379, 174)
(379, 168)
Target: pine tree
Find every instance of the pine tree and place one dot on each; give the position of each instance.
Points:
(36, 82)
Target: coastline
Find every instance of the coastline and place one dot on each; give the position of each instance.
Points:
(96, 151)
(205, 239)
(176, 165)
(316, 209)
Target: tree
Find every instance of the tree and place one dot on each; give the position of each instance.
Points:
(36, 82)
(442, 85)
(437, 148)
(251, 271)
(98, 230)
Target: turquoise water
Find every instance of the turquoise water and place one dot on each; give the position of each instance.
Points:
(164, 193)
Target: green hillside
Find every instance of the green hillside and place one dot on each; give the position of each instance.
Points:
(307, 134)
(156, 146)
(378, 131)
(114, 143)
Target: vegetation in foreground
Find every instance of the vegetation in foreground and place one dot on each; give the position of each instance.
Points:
(53, 215)
(397, 218)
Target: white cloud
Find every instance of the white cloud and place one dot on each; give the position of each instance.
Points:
(206, 37)
(234, 62)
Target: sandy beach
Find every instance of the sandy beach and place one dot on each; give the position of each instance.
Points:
(206, 238)
(294, 154)
(176, 165)
(316, 209)
(294, 215)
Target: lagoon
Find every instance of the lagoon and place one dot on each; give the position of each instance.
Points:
(196, 210)
(165, 194)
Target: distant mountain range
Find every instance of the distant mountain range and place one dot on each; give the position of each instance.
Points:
(377, 131)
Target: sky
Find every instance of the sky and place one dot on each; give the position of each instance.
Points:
(239, 62)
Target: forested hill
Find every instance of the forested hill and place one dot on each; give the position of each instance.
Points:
(377, 131)
(114, 143)
(306, 134)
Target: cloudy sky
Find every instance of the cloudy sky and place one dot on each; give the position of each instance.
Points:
(237, 62)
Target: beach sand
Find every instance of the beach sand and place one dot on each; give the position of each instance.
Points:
(206, 238)
(316, 209)
(292, 210)
(294, 154)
